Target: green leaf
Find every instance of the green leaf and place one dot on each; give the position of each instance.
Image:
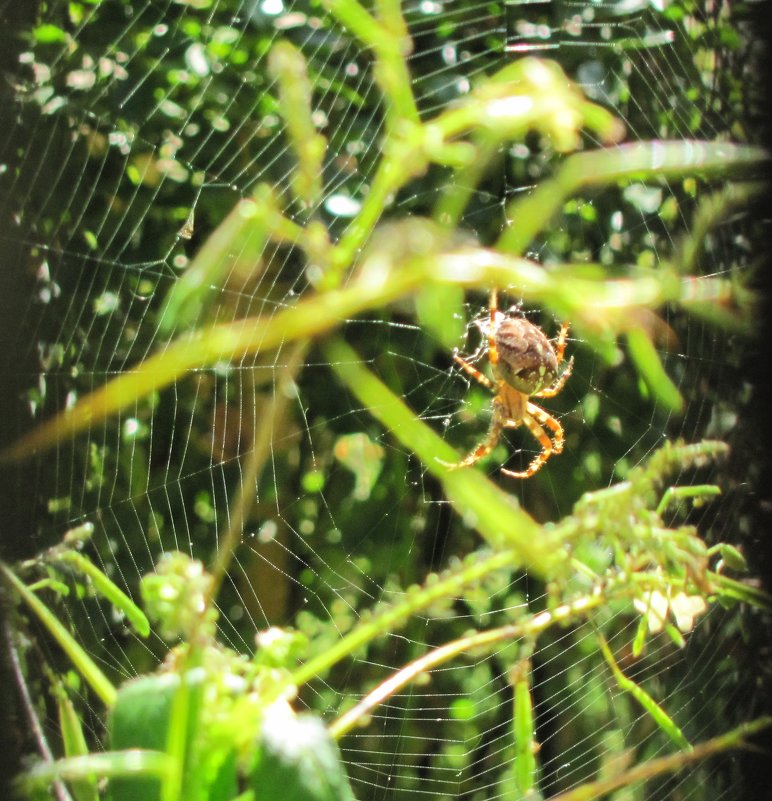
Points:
(635, 161)
(140, 719)
(494, 513)
(235, 247)
(440, 312)
(48, 34)
(298, 761)
(83, 789)
(147, 714)
(524, 728)
(646, 359)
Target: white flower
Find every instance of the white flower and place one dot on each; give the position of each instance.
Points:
(684, 608)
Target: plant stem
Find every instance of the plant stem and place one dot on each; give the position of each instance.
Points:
(530, 628)
(736, 738)
(389, 620)
(270, 420)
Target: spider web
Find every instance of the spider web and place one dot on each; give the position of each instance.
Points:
(138, 126)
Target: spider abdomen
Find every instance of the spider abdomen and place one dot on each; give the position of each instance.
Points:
(527, 360)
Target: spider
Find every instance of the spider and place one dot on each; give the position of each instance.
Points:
(525, 365)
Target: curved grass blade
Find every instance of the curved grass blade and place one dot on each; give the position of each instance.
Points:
(109, 590)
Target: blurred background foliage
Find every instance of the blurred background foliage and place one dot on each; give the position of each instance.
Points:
(135, 129)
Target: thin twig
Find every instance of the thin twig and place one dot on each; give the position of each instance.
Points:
(60, 790)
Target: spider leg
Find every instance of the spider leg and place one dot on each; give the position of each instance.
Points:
(474, 372)
(534, 418)
(512, 408)
(485, 447)
(550, 392)
(560, 344)
(493, 351)
(546, 419)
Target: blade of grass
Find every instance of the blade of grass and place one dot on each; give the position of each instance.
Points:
(237, 243)
(387, 37)
(637, 161)
(525, 767)
(494, 513)
(83, 663)
(598, 308)
(74, 742)
(132, 762)
(649, 366)
(741, 591)
(287, 65)
(657, 713)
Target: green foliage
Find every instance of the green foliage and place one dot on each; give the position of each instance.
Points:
(202, 722)
(297, 760)
(176, 597)
(143, 717)
(620, 569)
